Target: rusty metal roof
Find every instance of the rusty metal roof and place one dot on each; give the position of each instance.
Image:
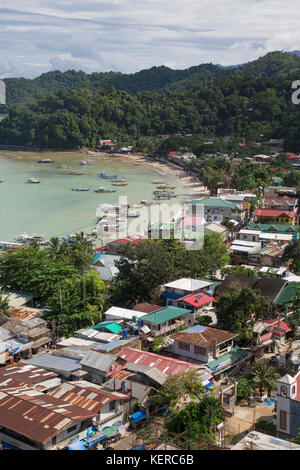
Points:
(85, 395)
(38, 416)
(24, 374)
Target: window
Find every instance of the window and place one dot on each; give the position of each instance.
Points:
(283, 420)
(183, 346)
(283, 391)
(200, 351)
(112, 405)
(294, 389)
(72, 428)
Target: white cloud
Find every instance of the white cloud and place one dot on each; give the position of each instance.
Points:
(128, 35)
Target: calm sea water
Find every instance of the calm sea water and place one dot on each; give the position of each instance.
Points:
(51, 208)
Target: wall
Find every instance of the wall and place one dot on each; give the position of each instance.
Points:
(190, 354)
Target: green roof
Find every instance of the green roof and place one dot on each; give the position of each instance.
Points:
(286, 296)
(228, 360)
(279, 228)
(278, 180)
(164, 314)
(113, 327)
(215, 202)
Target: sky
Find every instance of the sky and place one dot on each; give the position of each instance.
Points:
(131, 35)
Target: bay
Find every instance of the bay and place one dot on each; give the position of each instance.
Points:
(51, 208)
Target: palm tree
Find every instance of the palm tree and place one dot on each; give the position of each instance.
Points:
(55, 247)
(263, 377)
(4, 305)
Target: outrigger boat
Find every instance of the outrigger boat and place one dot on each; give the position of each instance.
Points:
(105, 190)
(32, 181)
(85, 162)
(120, 184)
(46, 160)
(80, 189)
(76, 173)
(108, 176)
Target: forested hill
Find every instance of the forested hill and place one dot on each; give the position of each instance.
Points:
(22, 91)
(231, 106)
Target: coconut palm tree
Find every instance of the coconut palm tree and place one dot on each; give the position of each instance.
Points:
(263, 377)
(55, 247)
(4, 304)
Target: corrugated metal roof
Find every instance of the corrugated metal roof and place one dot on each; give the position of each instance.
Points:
(165, 314)
(38, 416)
(98, 361)
(188, 284)
(167, 365)
(55, 363)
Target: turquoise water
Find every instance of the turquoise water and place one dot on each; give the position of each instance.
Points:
(51, 208)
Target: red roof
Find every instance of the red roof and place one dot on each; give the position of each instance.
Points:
(131, 239)
(275, 213)
(167, 365)
(292, 155)
(278, 325)
(173, 154)
(197, 300)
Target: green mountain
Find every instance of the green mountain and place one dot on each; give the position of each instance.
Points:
(22, 91)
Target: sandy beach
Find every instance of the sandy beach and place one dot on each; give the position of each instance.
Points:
(195, 190)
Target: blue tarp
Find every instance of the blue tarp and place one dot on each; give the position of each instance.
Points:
(138, 448)
(77, 445)
(138, 416)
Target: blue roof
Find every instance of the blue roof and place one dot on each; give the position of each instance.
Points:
(77, 445)
(138, 416)
(195, 329)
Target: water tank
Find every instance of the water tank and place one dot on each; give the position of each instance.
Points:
(125, 334)
(134, 317)
(142, 322)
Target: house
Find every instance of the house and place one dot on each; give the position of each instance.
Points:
(288, 406)
(267, 286)
(34, 331)
(202, 343)
(217, 209)
(282, 203)
(267, 332)
(109, 407)
(105, 266)
(166, 365)
(195, 302)
(274, 228)
(123, 314)
(216, 227)
(184, 286)
(276, 215)
(105, 332)
(25, 376)
(163, 322)
(33, 420)
(99, 366)
(66, 367)
(112, 248)
(270, 255)
(259, 441)
(146, 307)
(241, 250)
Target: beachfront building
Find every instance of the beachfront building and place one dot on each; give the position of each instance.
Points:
(185, 286)
(274, 228)
(218, 210)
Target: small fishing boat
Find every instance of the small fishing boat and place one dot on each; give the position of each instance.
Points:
(120, 184)
(76, 173)
(120, 181)
(32, 181)
(85, 162)
(105, 190)
(158, 182)
(108, 176)
(80, 189)
(46, 160)
(2, 181)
